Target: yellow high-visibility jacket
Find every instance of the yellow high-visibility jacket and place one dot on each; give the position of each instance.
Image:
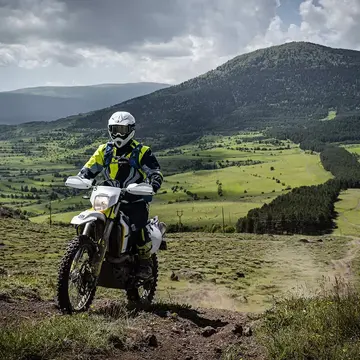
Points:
(132, 163)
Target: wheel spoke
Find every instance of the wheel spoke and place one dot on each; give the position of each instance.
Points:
(79, 279)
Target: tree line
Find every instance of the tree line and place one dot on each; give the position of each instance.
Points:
(310, 209)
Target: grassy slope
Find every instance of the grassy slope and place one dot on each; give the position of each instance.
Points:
(271, 266)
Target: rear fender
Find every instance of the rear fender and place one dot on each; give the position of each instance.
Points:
(88, 216)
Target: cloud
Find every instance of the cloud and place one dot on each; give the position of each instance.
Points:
(162, 40)
(333, 23)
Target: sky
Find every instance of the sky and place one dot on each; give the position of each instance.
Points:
(82, 42)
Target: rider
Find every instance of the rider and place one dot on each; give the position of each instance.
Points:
(134, 163)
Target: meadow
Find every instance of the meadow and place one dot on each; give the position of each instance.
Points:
(216, 173)
(233, 271)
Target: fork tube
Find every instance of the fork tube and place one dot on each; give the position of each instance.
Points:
(104, 242)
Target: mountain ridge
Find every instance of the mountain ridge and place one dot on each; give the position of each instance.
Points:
(290, 83)
(49, 103)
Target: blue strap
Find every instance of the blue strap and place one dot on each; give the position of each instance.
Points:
(108, 154)
(135, 156)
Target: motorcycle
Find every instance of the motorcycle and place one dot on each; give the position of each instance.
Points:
(103, 253)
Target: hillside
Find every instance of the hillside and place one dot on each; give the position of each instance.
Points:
(214, 310)
(50, 103)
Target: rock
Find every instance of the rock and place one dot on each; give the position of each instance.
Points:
(192, 275)
(304, 241)
(175, 330)
(152, 340)
(208, 331)
(174, 277)
(247, 331)
(116, 342)
(238, 329)
(240, 274)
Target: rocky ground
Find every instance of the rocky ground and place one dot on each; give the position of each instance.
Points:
(166, 331)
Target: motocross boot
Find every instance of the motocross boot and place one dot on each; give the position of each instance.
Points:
(144, 270)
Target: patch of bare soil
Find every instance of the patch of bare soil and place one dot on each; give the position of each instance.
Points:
(163, 331)
(19, 310)
(168, 331)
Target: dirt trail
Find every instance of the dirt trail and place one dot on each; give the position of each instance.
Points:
(207, 295)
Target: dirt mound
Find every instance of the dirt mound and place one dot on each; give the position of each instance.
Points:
(170, 331)
(163, 331)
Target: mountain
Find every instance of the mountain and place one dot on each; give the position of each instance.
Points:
(53, 102)
(291, 83)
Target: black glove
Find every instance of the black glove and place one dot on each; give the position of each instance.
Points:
(156, 183)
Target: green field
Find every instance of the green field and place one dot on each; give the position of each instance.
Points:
(348, 209)
(252, 171)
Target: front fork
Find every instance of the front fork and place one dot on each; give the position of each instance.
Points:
(102, 240)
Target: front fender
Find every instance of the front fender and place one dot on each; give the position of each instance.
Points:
(88, 216)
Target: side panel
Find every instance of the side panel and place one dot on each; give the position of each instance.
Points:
(155, 235)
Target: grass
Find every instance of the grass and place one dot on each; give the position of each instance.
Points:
(325, 327)
(331, 116)
(348, 209)
(76, 337)
(234, 271)
(244, 187)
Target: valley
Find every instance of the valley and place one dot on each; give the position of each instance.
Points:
(251, 172)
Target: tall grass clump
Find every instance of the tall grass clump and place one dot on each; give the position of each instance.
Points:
(325, 327)
(75, 337)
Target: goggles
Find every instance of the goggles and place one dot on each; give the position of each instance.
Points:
(121, 130)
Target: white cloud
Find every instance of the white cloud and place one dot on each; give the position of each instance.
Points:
(161, 40)
(333, 23)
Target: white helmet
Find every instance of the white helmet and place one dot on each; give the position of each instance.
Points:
(121, 127)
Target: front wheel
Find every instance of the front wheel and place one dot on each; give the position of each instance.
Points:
(144, 294)
(76, 282)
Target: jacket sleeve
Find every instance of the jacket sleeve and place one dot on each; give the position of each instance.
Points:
(94, 165)
(151, 167)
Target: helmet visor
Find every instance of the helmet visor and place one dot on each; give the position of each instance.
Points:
(121, 130)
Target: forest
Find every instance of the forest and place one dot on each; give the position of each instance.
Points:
(310, 209)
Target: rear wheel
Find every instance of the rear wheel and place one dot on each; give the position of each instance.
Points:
(76, 282)
(144, 294)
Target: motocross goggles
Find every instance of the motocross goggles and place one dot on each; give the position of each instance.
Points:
(120, 130)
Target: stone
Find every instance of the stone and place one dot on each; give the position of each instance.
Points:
(152, 341)
(238, 329)
(208, 331)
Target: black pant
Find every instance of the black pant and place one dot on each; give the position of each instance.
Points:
(138, 214)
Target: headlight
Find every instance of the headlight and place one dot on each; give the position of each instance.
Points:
(101, 202)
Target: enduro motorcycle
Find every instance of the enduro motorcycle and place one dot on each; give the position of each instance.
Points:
(103, 253)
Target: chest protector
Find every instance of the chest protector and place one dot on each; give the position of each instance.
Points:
(134, 157)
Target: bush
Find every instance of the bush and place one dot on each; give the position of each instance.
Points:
(229, 229)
